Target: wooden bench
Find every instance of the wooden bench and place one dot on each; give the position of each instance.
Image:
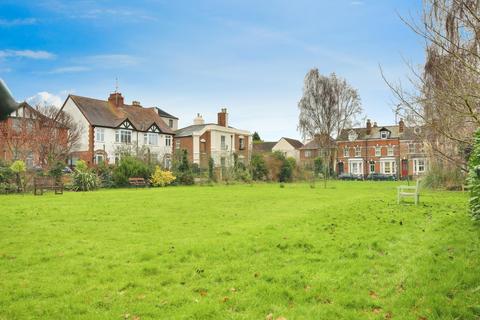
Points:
(137, 182)
(409, 191)
(46, 183)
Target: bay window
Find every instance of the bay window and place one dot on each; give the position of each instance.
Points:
(123, 136)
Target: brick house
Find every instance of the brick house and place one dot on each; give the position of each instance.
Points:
(318, 147)
(218, 141)
(109, 127)
(392, 150)
(26, 133)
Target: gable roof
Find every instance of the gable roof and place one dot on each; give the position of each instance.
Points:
(103, 114)
(263, 147)
(293, 142)
(164, 114)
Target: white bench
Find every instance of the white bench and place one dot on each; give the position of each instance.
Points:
(409, 191)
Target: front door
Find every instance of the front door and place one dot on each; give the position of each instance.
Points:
(404, 168)
(340, 168)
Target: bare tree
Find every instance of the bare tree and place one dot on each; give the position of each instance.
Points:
(328, 105)
(57, 135)
(445, 95)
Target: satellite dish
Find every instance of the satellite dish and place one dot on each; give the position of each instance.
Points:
(7, 103)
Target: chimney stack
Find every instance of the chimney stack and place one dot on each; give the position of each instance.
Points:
(223, 118)
(116, 99)
(198, 120)
(401, 126)
(369, 126)
(136, 103)
(375, 124)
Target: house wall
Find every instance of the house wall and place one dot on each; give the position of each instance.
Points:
(71, 108)
(286, 148)
(167, 122)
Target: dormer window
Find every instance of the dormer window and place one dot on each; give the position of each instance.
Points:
(384, 134)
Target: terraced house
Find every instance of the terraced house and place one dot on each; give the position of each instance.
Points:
(392, 150)
(110, 128)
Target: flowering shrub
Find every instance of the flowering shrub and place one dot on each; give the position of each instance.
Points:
(161, 178)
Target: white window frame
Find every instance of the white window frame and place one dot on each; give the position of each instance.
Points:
(346, 152)
(121, 136)
(223, 143)
(241, 143)
(168, 141)
(99, 158)
(358, 152)
(150, 138)
(100, 134)
(419, 168)
(390, 151)
(392, 166)
(384, 134)
(170, 123)
(371, 165)
(177, 144)
(378, 151)
(308, 153)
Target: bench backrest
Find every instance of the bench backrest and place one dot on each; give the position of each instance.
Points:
(44, 181)
(136, 180)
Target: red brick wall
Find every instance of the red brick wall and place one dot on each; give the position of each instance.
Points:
(186, 143)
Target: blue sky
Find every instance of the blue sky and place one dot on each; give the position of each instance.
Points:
(193, 57)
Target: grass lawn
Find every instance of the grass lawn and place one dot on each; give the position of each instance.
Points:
(239, 252)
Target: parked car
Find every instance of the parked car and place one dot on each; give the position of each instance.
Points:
(349, 176)
(381, 177)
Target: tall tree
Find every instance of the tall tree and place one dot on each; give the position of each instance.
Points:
(256, 137)
(445, 95)
(328, 105)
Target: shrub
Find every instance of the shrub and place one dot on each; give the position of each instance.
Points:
(81, 166)
(440, 175)
(105, 175)
(6, 174)
(130, 167)
(56, 170)
(185, 178)
(258, 167)
(318, 165)
(18, 168)
(84, 180)
(161, 178)
(211, 169)
(474, 178)
(183, 171)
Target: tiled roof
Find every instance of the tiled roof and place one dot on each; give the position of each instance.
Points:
(103, 114)
(409, 133)
(374, 134)
(318, 142)
(295, 143)
(262, 147)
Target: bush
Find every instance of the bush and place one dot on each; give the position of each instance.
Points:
(318, 166)
(211, 169)
(105, 175)
(130, 167)
(474, 178)
(185, 178)
(18, 168)
(83, 179)
(6, 174)
(258, 167)
(161, 178)
(56, 170)
(183, 171)
(441, 176)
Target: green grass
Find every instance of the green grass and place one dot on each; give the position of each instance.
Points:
(239, 252)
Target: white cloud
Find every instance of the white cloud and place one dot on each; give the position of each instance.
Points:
(72, 69)
(30, 54)
(17, 22)
(45, 99)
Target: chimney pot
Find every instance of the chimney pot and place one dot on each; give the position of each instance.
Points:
(369, 126)
(136, 103)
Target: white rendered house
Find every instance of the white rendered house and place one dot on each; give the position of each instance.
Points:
(109, 128)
